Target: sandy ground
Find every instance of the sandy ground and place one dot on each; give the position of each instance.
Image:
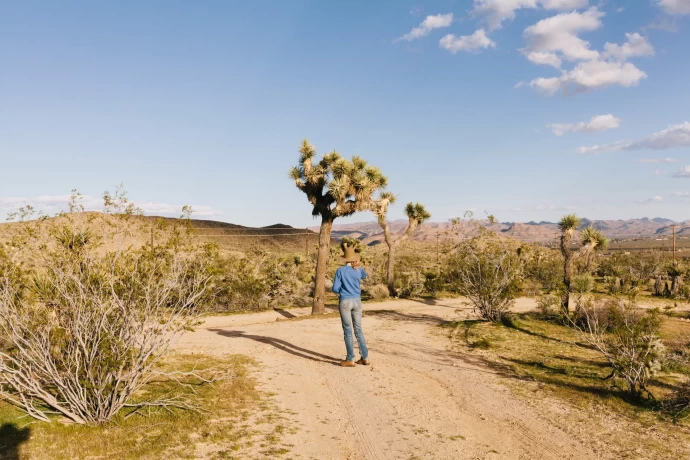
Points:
(419, 399)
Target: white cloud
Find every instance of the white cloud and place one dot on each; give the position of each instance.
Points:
(637, 45)
(519, 84)
(654, 199)
(559, 34)
(675, 136)
(494, 12)
(470, 43)
(556, 39)
(430, 23)
(564, 4)
(657, 160)
(545, 59)
(684, 172)
(675, 6)
(591, 75)
(595, 124)
(681, 194)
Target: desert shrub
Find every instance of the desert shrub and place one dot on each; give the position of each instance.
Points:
(545, 266)
(410, 283)
(378, 291)
(85, 329)
(548, 305)
(626, 337)
(582, 284)
(488, 272)
(433, 283)
(257, 281)
(531, 288)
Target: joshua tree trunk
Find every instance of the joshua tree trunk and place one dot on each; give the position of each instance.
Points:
(567, 272)
(390, 271)
(319, 306)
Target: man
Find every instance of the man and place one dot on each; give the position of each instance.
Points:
(347, 285)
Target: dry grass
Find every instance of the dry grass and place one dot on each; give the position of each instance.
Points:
(539, 357)
(236, 421)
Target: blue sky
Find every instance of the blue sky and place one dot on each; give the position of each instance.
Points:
(527, 109)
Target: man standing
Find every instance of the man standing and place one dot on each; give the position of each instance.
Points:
(347, 285)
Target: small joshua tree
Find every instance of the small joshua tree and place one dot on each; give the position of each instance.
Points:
(567, 225)
(335, 187)
(416, 214)
(592, 240)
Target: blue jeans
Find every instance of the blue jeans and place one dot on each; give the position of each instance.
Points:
(351, 318)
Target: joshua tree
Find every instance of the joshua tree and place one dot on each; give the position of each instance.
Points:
(567, 225)
(592, 240)
(416, 213)
(335, 187)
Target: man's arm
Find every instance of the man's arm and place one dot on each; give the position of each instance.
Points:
(337, 283)
(363, 274)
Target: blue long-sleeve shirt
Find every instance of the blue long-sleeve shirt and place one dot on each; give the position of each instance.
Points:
(346, 282)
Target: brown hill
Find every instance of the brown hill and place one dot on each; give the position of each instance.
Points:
(278, 238)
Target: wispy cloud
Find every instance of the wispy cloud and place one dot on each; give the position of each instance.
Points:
(54, 204)
(676, 7)
(430, 23)
(468, 43)
(683, 173)
(495, 12)
(675, 136)
(654, 199)
(595, 124)
(657, 160)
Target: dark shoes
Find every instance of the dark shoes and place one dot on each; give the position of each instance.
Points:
(364, 362)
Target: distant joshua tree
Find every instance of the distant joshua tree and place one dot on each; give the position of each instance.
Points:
(592, 240)
(567, 225)
(336, 187)
(416, 214)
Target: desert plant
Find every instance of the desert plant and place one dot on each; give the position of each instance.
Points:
(627, 338)
(489, 273)
(85, 330)
(567, 226)
(582, 284)
(592, 240)
(547, 305)
(416, 215)
(336, 188)
(378, 291)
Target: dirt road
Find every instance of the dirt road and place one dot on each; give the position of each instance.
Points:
(419, 399)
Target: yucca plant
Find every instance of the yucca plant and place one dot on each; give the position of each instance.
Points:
(416, 214)
(336, 187)
(567, 226)
(592, 240)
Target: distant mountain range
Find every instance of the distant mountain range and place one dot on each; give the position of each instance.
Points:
(538, 232)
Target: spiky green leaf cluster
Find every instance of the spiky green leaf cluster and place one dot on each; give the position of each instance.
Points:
(593, 239)
(335, 186)
(417, 212)
(569, 223)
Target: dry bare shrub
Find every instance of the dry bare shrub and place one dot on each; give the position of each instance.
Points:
(378, 291)
(488, 272)
(626, 337)
(85, 329)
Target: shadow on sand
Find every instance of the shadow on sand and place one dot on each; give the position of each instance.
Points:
(11, 438)
(281, 345)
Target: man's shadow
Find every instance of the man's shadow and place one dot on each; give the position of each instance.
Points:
(281, 345)
(11, 438)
